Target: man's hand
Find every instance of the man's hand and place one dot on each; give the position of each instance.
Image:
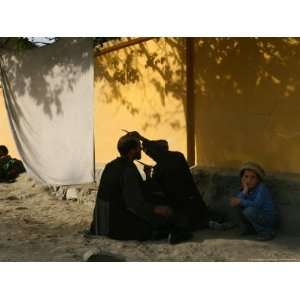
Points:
(163, 210)
(234, 201)
(147, 170)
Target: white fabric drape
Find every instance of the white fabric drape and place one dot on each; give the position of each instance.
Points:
(48, 94)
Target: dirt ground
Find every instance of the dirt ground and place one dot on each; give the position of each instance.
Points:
(36, 226)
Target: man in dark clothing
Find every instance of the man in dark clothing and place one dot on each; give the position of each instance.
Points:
(121, 211)
(173, 175)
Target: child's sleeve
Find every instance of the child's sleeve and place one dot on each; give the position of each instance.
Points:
(260, 196)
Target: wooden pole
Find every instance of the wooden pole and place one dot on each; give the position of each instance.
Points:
(190, 101)
(122, 45)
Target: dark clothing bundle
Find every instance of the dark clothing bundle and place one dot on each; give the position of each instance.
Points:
(10, 168)
(173, 175)
(121, 211)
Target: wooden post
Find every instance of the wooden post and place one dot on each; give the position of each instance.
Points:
(190, 101)
(122, 45)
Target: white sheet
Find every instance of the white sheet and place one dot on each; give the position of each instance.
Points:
(48, 94)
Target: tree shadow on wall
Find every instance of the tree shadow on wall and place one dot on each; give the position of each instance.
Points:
(63, 66)
(240, 66)
(140, 66)
(239, 71)
(226, 71)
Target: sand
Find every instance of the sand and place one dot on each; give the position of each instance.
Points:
(37, 226)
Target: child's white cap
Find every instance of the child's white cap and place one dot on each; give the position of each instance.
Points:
(253, 167)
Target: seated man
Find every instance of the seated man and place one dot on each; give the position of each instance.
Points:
(121, 211)
(173, 175)
(10, 168)
(254, 203)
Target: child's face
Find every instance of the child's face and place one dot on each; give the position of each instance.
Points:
(250, 178)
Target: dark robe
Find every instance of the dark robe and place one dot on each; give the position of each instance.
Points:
(173, 175)
(121, 211)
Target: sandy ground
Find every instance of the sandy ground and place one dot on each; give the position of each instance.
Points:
(36, 226)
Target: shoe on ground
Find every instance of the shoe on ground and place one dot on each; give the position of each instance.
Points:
(265, 237)
(215, 225)
(228, 225)
(159, 235)
(247, 230)
(177, 237)
(220, 226)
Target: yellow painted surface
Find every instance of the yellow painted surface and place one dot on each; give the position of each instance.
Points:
(247, 102)
(5, 132)
(141, 87)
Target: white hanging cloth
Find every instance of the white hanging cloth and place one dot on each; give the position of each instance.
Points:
(48, 95)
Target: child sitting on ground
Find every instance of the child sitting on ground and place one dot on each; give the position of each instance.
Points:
(254, 203)
(10, 168)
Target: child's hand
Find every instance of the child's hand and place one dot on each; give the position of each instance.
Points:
(234, 201)
(245, 188)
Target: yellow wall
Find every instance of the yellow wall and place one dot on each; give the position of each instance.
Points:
(141, 87)
(248, 102)
(5, 132)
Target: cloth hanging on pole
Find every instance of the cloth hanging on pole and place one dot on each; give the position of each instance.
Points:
(48, 94)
